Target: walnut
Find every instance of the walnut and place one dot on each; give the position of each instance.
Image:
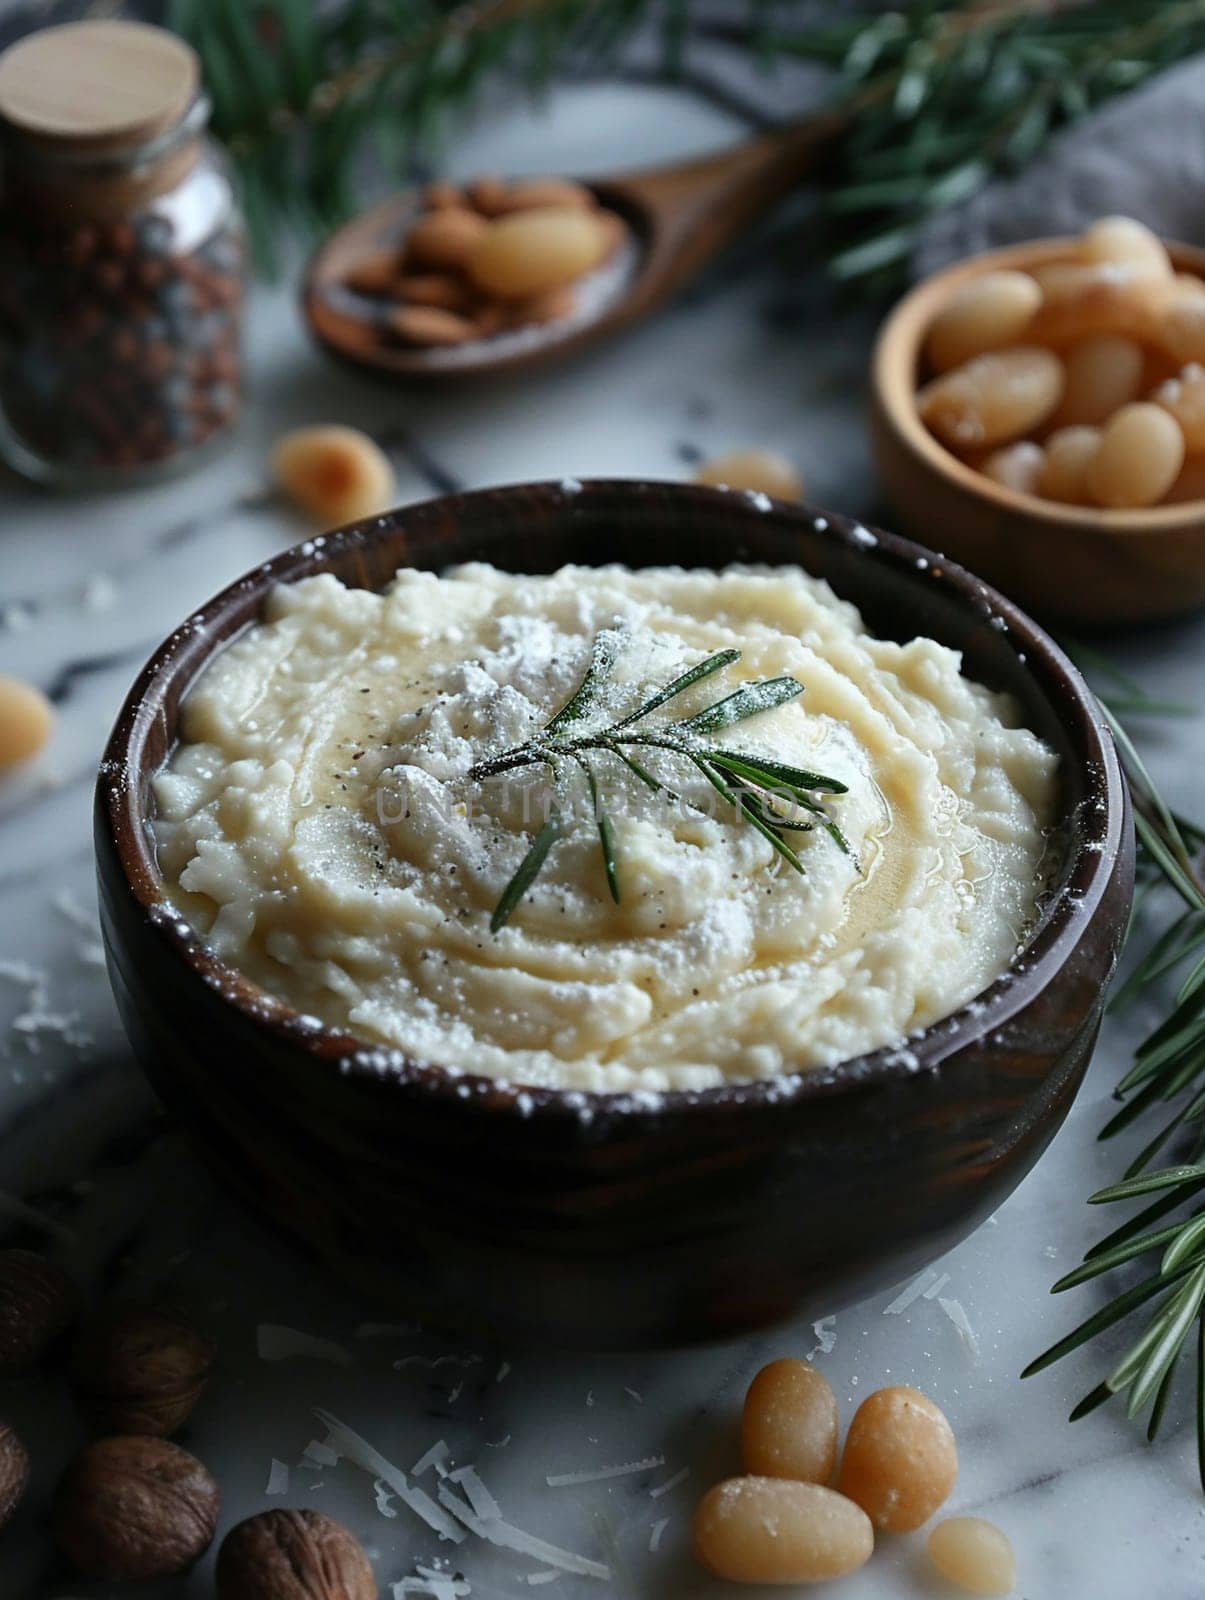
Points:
(140, 1370)
(14, 1472)
(38, 1303)
(132, 1508)
(293, 1555)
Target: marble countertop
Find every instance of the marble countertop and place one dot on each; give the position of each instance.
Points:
(756, 353)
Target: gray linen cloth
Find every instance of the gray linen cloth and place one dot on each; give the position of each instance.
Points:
(1142, 155)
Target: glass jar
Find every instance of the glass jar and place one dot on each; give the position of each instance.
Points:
(122, 258)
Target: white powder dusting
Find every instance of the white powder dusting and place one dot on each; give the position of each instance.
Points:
(436, 1458)
(37, 1018)
(358, 1450)
(319, 1454)
(826, 1333)
(954, 1310)
(565, 1480)
(913, 1292)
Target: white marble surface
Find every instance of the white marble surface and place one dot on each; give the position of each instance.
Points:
(756, 353)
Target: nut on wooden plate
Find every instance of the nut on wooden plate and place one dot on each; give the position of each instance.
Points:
(133, 1508)
(14, 1472)
(140, 1370)
(38, 1303)
(293, 1555)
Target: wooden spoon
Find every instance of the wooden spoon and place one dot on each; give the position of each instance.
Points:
(678, 217)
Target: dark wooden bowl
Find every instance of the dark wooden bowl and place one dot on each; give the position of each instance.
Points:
(596, 1220)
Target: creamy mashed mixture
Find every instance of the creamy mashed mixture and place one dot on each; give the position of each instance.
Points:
(318, 827)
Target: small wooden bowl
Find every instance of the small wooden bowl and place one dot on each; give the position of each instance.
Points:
(1075, 564)
(617, 1221)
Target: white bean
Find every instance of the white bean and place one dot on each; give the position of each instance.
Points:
(789, 1424)
(1104, 373)
(974, 1554)
(1016, 466)
(335, 474)
(985, 314)
(1069, 454)
(1081, 298)
(763, 471)
(1141, 453)
(26, 718)
(900, 1458)
(1124, 239)
(993, 398)
(773, 1530)
(1184, 398)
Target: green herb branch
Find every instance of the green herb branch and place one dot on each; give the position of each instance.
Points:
(1169, 1067)
(939, 97)
(944, 97)
(301, 91)
(774, 797)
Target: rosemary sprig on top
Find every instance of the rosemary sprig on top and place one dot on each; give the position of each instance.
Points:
(774, 797)
(1169, 1066)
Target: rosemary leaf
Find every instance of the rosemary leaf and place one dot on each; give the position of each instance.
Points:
(606, 830)
(1149, 1151)
(765, 778)
(738, 801)
(1160, 1406)
(1132, 1110)
(1135, 1357)
(1135, 1224)
(562, 739)
(645, 776)
(1093, 1266)
(1099, 1321)
(1189, 1236)
(527, 872)
(748, 701)
(1184, 935)
(715, 663)
(1166, 1178)
(1181, 1316)
(607, 646)
(768, 773)
(1090, 1402)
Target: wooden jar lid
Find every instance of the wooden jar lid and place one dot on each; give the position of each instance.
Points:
(97, 85)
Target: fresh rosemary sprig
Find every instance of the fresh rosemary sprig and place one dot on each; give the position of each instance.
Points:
(301, 91)
(940, 97)
(1169, 1066)
(946, 96)
(757, 789)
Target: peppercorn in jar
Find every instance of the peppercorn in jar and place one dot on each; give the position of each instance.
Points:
(121, 257)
